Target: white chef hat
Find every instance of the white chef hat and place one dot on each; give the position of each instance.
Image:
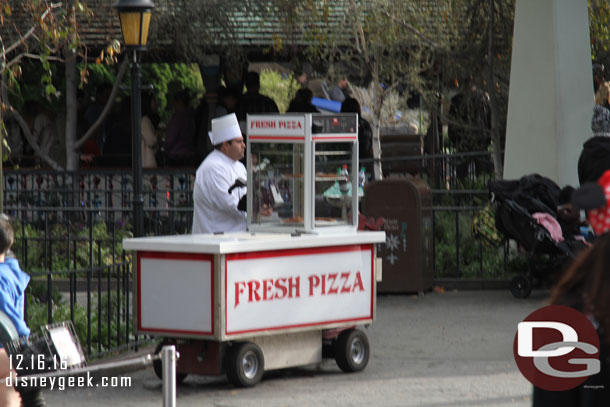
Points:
(224, 128)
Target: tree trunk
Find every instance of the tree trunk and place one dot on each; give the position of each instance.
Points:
(378, 99)
(72, 157)
(496, 142)
(377, 173)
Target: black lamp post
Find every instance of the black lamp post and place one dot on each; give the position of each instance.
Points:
(135, 20)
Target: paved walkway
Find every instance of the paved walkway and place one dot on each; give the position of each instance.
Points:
(440, 349)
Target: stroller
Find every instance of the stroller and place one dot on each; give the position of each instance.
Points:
(516, 203)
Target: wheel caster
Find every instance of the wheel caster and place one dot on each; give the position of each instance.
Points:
(352, 350)
(245, 364)
(520, 287)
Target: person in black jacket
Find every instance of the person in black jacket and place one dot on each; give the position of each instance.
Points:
(594, 159)
(253, 101)
(585, 286)
(595, 156)
(365, 133)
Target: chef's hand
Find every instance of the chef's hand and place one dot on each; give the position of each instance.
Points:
(239, 182)
(267, 210)
(242, 205)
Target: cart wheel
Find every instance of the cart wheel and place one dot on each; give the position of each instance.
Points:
(352, 350)
(245, 364)
(158, 365)
(520, 287)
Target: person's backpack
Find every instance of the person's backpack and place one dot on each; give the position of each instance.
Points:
(484, 227)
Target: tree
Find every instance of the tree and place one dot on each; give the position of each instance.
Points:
(52, 36)
(392, 43)
(38, 42)
(424, 47)
(481, 59)
(599, 21)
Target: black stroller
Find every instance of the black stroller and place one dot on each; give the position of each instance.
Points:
(516, 202)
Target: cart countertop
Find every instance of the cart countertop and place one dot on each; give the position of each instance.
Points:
(248, 242)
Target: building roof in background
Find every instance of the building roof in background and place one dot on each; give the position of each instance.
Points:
(247, 29)
(99, 31)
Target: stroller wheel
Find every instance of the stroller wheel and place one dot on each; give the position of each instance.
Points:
(520, 287)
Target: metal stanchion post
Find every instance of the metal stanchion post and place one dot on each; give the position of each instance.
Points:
(168, 358)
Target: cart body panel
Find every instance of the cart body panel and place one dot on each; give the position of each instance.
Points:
(223, 292)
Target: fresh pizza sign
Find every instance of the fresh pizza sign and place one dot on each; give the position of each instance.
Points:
(296, 288)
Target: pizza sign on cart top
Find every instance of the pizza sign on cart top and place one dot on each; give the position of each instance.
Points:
(294, 127)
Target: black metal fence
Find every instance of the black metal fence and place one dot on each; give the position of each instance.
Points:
(70, 225)
(69, 228)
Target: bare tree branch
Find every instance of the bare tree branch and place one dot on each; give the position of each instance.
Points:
(31, 31)
(12, 113)
(19, 57)
(119, 78)
(412, 29)
(360, 31)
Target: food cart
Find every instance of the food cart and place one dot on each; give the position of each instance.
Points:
(293, 288)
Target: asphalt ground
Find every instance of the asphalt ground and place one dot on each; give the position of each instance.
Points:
(435, 350)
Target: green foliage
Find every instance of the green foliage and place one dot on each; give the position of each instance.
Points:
(41, 258)
(167, 79)
(56, 254)
(28, 87)
(105, 312)
(99, 74)
(278, 87)
(475, 260)
(599, 21)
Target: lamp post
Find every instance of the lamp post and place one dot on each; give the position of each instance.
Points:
(135, 20)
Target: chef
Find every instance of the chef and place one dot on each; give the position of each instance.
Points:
(218, 191)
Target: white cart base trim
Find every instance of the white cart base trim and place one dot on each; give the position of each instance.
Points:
(289, 350)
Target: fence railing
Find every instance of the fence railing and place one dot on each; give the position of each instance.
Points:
(70, 225)
(79, 272)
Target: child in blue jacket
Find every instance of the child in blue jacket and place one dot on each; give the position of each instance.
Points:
(13, 282)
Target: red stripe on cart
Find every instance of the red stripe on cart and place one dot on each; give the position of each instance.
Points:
(276, 138)
(334, 138)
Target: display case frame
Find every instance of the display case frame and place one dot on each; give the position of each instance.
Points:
(312, 137)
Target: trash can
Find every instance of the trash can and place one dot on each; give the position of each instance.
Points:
(405, 204)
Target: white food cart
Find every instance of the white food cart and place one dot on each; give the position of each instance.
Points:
(292, 289)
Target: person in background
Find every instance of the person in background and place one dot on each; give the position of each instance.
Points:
(598, 76)
(41, 128)
(585, 286)
(180, 133)
(203, 145)
(301, 103)
(93, 112)
(252, 101)
(118, 146)
(595, 156)
(217, 199)
(568, 215)
(365, 134)
(600, 122)
(227, 101)
(340, 91)
(149, 135)
(13, 283)
(468, 129)
(303, 75)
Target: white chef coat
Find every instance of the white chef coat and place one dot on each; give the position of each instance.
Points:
(215, 210)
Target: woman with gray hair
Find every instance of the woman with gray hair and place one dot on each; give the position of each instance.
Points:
(600, 122)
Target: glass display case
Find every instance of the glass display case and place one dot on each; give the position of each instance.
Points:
(302, 172)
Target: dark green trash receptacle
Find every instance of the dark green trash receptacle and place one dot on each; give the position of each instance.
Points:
(406, 206)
